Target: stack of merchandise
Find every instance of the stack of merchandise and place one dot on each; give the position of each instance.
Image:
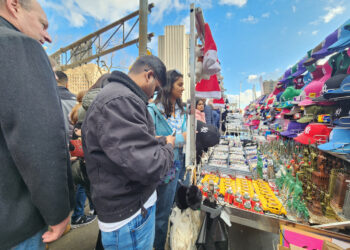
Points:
(311, 102)
(230, 170)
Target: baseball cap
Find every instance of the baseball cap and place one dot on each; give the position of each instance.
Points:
(300, 68)
(293, 111)
(343, 40)
(307, 78)
(289, 94)
(310, 113)
(339, 141)
(341, 62)
(344, 87)
(207, 136)
(312, 60)
(314, 133)
(286, 75)
(314, 88)
(285, 111)
(294, 128)
(341, 115)
(330, 39)
(299, 82)
(332, 84)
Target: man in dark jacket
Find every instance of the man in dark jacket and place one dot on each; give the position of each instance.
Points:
(34, 177)
(208, 110)
(68, 100)
(124, 159)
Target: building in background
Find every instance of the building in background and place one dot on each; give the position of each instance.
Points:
(268, 87)
(83, 77)
(174, 51)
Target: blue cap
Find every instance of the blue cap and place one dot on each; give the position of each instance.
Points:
(343, 90)
(339, 141)
(344, 38)
(307, 79)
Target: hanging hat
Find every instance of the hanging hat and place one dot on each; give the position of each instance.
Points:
(341, 80)
(301, 68)
(312, 60)
(207, 136)
(219, 102)
(341, 62)
(331, 85)
(314, 88)
(211, 63)
(293, 111)
(294, 128)
(299, 82)
(341, 115)
(314, 133)
(331, 39)
(310, 113)
(339, 141)
(307, 78)
(208, 88)
(289, 94)
(286, 75)
(344, 38)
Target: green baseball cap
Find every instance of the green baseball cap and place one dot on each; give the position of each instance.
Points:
(341, 62)
(310, 113)
(290, 93)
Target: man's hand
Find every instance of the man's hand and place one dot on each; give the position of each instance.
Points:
(56, 231)
(170, 139)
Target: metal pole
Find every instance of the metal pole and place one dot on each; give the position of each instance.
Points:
(191, 125)
(239, 97)
(143, 27)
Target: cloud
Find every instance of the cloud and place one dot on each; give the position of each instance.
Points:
(332, 13)
(300, 33)
(76, 11)
(70, 11)
(239, 3)
(314, 33)
(186, 21)
(228, 15)
(294, 8)
(266, 15)
(245, 99)
(252, 78)
(250, 19)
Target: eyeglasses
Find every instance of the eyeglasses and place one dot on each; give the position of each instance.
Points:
(155, 77)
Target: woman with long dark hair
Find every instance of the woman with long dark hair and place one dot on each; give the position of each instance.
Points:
(169, 118)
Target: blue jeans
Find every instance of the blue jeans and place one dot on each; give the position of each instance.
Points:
(138, 234)
(165, 200)
(80, 198)
(33, 243)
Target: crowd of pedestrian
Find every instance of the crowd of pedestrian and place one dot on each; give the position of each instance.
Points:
(108, 146)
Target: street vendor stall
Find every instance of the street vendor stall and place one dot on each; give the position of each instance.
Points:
(257, 179)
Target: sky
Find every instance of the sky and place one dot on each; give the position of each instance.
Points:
(254, 37)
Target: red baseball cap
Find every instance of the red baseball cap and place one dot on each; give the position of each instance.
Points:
(314, 133)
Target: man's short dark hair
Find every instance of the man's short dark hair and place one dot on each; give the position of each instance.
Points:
(62, 78)
(153, 63)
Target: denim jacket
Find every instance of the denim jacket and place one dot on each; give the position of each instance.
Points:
(163, 128)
